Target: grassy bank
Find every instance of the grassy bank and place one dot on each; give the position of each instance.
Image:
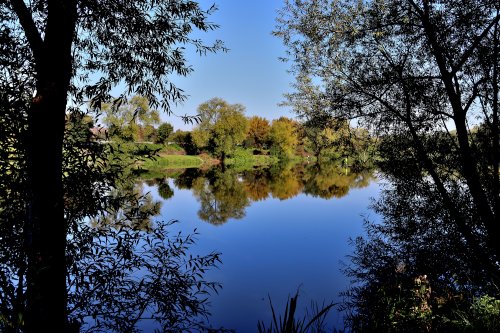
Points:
(156, 159)
(251, 161)
(172, 162)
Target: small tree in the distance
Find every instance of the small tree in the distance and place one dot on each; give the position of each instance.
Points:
(223, 126)
(164, 132)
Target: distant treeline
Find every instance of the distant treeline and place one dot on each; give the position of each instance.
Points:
(222, 129)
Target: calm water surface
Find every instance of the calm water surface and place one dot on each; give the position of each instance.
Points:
(277, 230)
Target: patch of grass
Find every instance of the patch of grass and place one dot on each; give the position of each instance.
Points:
(144, 174)
(243, 159)
(172, 162)
(172, 149)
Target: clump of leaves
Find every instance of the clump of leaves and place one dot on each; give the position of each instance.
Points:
(122, 278)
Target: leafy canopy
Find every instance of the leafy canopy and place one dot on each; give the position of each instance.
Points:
(424, 75)
(222, 126)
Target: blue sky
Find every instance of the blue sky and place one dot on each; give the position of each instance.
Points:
(250, 73)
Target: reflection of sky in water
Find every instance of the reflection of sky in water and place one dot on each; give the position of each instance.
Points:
(278, 246)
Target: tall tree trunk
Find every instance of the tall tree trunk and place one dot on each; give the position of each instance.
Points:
(495, 134)
(46, 225)
(484, 208)
(46, 231)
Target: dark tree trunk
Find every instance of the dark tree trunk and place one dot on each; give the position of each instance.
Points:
(318, 155)
(484, 207)
(495, 134)
(223, 161)
(46, 225)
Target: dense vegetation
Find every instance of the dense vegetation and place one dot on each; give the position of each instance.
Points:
(57, 272)
(415, 83)
(424, 75)
(229, 137)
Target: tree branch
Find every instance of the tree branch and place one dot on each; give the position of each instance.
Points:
(474, 95)
(473, 46)
(29, 27)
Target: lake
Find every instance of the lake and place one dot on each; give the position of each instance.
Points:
(278, 229)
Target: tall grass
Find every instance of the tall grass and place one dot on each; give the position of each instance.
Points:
(312, 322)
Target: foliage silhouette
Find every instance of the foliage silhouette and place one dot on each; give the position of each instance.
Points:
(424, 76)
(407, 71)
(61, 53)
(313, 322)
(123, 268)
(414, 271)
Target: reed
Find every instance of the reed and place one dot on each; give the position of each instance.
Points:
(290, 323)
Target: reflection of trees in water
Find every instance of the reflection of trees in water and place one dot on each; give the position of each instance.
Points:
(186, 179)
(164, 189)
(225, 194)
(221, 195)
(131, 208)
(416, 271)
(256, 184)
(284, 182)
(329, 180)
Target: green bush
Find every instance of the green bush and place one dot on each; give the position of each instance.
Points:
(485, 314)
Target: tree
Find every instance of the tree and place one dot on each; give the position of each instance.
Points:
(328, 135)
(147, 133)
(414, 270)
(131, 120)
(55, 49)
(222, 127)
(413, 67)
(185, 140)
(413, 70)
(282, 136)
(258, 129)
(164, 131)
(103, 257)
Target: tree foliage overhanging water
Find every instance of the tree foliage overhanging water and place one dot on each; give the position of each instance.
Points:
(424, 76)
(414, 271)
(408, 68)
(123, 268)
(57, 57)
